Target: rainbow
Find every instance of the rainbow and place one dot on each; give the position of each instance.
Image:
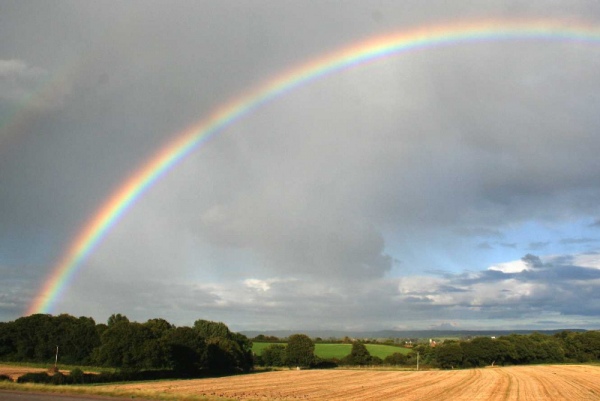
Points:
(192, 138)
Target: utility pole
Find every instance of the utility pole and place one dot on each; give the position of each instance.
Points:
(417, 360)
(56, 358)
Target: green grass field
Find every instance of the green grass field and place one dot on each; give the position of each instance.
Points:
(328, 351)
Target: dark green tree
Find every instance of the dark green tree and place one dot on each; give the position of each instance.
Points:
(208, 329)
(395, 359)
(226, 351)
(130, 346)
(76, 338)
(7, 345)
(300, 351)
(449, 355)
(274, 355)
(186, 350)
(116, 318)
(359, 355)
(34, 338)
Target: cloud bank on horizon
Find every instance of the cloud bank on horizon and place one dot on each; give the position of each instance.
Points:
(448, 186)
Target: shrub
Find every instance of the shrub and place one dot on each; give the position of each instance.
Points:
(395, 359)
(5, 378)
(41, 377)
(58, 378)
(76, 376)
(325, 363)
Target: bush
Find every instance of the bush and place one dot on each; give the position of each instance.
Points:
(76, 376)
(325, 363)
(5, 378)
(58, 378)
(41, 377)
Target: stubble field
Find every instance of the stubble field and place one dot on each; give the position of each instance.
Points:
(539, 383)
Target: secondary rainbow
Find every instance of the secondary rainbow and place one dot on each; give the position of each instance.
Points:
(191, 139)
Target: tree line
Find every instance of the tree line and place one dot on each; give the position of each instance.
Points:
(131, 346)
(210, 347)
(514, 349)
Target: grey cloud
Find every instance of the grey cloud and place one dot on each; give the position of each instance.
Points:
(18, 80)
(17, 288)
(548, 287)
(532, 260)
(479, 232)
(147, 299)
(534, 246)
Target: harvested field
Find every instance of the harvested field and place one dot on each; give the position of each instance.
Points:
(548, 382)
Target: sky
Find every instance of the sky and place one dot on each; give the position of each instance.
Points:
(451, 186)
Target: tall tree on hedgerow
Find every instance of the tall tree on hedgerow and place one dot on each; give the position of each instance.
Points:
(300, 350)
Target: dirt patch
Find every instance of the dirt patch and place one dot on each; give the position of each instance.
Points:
(540, 383)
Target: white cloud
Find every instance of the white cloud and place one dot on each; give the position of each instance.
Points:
(516, 266)
(591, 260)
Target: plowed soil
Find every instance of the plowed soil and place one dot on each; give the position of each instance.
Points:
(535, 383)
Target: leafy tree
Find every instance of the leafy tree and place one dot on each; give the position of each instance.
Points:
(208, 329)
(524, 348)
(186, 350)
(226, 351)
(246, 357)
(395, 359)
(449, 355)
(482, 351)
(76, 338)
(158, 327)
(7, 346)
(116, 318)
(359, 355)
(375, 360)
(274, 355)
(33, 338)
(300, 350)
(426, 355)
(128, 346)
(589, 344)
